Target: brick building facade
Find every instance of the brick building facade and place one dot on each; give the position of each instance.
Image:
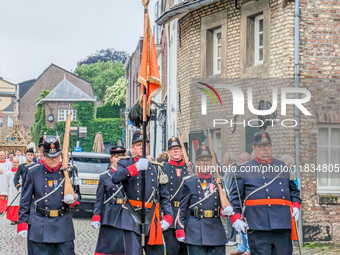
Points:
(219, 43)
(48, 80)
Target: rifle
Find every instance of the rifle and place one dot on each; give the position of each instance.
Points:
(223, 197)
(184, 152)
(68, 188)
(10, 205)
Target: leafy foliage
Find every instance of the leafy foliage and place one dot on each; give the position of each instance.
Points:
(102, 75)
(109, 54)
(109, 111)
(85, 114)
(116, 94)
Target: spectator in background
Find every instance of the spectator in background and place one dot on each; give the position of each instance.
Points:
(10, 159)
(228, 159)
(289, 160)
(10, 192)
(21, 158)
(243, 247)
(163, 157)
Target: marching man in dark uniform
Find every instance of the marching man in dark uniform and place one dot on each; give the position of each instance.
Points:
(199, 224)
(175, 169)
(49, 219)
(270, 201)
(156, 196)
(110, 198)
(22, 170)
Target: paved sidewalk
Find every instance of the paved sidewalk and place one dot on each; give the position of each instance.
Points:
(86, 238)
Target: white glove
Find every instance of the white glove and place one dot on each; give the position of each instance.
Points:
(228, 211)
(164, 225)
(69, 199)
(181, 239)
(142, 164)
(20, 189)
(296, 213)
(240, 226)
(95, 224)
(23, 233)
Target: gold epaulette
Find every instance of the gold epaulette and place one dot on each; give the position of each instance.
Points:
(33, 166)
(124, 157)
(156, 163)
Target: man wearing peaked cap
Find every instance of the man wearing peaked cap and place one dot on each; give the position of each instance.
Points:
(108, 205)
(129, 175)
(23, 168)
(199, 224)
(269, 194)
(40, 160)
(176, 170)
(49, 226)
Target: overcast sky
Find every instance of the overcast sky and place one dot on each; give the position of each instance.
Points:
(36, 33)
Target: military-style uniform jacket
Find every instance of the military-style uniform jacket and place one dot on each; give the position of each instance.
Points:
(50, 218)
(107, 213)
(264, 217)
(22, 172)
(131, 180)
(175, 172)
(200, 223)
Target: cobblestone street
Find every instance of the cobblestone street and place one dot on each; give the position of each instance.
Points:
(86, 237)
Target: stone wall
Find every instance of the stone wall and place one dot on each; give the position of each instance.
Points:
(319, 50)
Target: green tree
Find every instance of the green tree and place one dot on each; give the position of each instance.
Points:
(116, 94)
(39, 126)
(102, 75)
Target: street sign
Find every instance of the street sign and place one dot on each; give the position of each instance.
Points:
(78, 149)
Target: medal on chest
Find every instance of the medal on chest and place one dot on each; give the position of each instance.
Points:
(50, 183)
(55, 182)
(178, 172)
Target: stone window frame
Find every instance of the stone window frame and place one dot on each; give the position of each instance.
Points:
(326, 189)
(210, 23)
(216, 45)
(248, 13)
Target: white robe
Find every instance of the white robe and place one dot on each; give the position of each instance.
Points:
(8, 189)
(4, 167)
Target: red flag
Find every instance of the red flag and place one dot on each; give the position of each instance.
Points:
(148, 74)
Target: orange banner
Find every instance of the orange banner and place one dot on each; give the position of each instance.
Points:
(148, 74)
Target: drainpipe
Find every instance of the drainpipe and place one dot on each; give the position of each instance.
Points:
(297, 111)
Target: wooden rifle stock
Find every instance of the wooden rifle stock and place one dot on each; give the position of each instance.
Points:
(223, 197)
(184, 153)
(68, 188)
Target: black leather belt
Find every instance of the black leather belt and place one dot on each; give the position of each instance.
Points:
(52, 213)
(175, 203)
(205, 214)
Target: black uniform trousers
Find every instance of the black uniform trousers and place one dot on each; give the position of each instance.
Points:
(173, 247)
(274, 242)
(133, 245)
(206, 250)
(66, 248)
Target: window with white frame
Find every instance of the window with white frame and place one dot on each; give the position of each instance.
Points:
(328, 160)
(258, 40)
(62, 114)
(217, 47)
(217, 144)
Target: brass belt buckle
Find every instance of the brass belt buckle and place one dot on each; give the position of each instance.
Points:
(176, 203)
(119, 201)
(53, 213)
(208, 214)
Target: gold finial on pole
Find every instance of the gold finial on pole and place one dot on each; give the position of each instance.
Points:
(145, 3)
